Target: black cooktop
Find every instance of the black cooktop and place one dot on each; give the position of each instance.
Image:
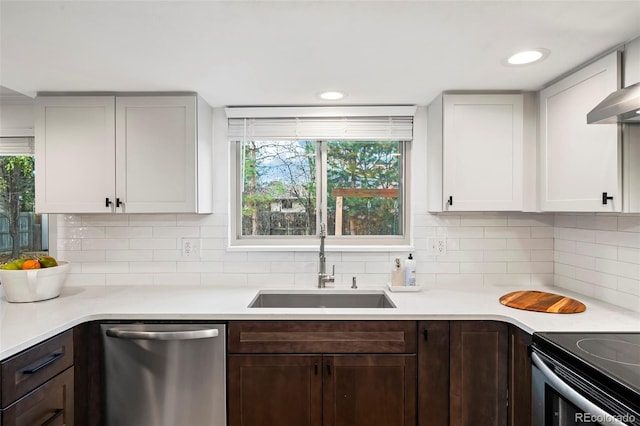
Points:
(614, 357)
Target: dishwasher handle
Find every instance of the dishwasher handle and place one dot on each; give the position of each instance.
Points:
(163, 335)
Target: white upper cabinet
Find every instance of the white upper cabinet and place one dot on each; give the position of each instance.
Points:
(75, 154)
(580, 162)
(125, 154)
(475, 152)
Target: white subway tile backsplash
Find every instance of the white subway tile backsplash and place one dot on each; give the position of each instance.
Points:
(507, 255)
(629, 223)
(519, 232)
(597, 278)
(105, 267)
(628, 285)
(599, 255)
(604, 251)
(564, 245)
(81, 232)
(530, 243)
(623, 269)
(153, 243)
(105, 244)
(483, 267)
(574, 234)
(105, 220)
(176, 231)
(530, 267)
(587, 262)
(631, 255)
(625, 239)
(127, 255)
(128, 232)
(593, 254)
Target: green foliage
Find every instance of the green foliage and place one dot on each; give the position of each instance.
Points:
(365, 165)
(279, 172)
(16, 192)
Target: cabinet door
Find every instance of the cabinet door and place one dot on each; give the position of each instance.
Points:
(156, 154)
(519, 378)
(75, 154)
(579, 161)
(50, 404)
(478, 373)
(482, 152)
(365, 390)
(268, 390)
(433, 373)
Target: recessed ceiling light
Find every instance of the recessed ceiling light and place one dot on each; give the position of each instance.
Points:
(527, 56)
(331, 95)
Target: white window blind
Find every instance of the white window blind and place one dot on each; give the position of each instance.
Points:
(16, 146)
(311, 124)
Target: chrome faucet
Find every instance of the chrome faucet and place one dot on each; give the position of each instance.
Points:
(323, 277)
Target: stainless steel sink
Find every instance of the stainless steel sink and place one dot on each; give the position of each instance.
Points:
(322, 299)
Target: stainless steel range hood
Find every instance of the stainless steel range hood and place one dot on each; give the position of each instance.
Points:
(622, 106)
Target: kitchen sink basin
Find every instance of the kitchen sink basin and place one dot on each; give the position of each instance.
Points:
(322, 299)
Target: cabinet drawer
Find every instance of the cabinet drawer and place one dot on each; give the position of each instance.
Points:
(29, 369)
(322, 337)
(51, 404)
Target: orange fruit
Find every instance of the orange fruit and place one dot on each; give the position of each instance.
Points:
(31, 264)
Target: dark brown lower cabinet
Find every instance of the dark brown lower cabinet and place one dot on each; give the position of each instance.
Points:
(519, 377)
(478, 393)
(51, 404)
(317, 390)
(322, 373)
(433, 373)
(267, 390)
(365, 390)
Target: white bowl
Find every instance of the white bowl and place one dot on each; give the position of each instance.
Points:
(34, 284)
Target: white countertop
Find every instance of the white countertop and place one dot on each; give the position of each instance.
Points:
(25, 324)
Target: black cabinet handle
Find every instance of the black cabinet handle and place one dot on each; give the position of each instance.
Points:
(107, 202)
(315, 368)
(118, 202)
(450, 200)
(53, 358)
(329, 368)
(425, 334)
(606, 197)
(56, 413)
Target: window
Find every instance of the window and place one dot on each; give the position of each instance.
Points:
(22, 231)
(293, 174)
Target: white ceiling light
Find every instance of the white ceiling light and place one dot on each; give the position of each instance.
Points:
(331, 95)
(527, 56)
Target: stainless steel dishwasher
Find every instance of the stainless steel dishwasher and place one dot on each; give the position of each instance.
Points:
(165, 374)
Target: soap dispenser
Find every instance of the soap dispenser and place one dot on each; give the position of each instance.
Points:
(410, 271)
(397, 274)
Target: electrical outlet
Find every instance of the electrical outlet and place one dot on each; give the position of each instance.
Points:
(191, 248)
(436, 246)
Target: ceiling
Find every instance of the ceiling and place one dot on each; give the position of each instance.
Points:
(286, 52)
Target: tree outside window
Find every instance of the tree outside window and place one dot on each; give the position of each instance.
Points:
(362, 180)
(21, 230)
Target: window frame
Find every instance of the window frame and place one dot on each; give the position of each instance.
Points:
(310, 242)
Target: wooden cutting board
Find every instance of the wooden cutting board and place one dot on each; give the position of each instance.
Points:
(541, 301)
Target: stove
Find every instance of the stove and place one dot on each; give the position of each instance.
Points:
(604, 368)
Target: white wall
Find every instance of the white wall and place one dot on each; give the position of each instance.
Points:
(599, 255)
(484, 248)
